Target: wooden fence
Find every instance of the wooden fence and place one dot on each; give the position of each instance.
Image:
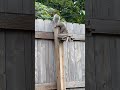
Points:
(74, 56)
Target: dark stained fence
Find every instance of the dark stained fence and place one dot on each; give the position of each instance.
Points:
(17, 45)
(102, 45)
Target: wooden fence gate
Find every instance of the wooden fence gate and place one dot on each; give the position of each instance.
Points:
(74, 57)
(102, 45)
(17, 44)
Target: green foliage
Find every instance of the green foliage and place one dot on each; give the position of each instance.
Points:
(70, 10)
(43, 12)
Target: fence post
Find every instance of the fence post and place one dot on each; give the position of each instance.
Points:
(59, 59)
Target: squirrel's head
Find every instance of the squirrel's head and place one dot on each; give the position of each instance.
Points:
(56, 18)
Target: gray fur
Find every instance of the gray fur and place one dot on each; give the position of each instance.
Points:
(56, 20)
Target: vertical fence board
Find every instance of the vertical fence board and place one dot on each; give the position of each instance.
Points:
(48, 28)
(15, 65)
(107, 63)
(71, 54)
(29, 65)
(39, 61)
(27, 7)
(77, 53)
(90, 70)
(51, 62)
(47, 61)
(2, 5)
(36, 63)
(102, 63)
(2, 61)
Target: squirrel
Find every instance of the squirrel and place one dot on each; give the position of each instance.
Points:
(57, 23)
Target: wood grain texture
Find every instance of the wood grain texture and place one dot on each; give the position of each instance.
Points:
(2, 61)
(69, 85)
(74, 60)
(107, 26)
(103, 9)
(28, 7)
(115, 61)
(71, 61)
(16, 45)
(16, 60)
(29, 61)
(14, 6)
(17, 14)
(15, 66)
(102, 60)
(13, 21)
(17, 6)
(50, 36)
(102, 64)
(59, 61)
(90, 72)
(36, 62)
(44, 35)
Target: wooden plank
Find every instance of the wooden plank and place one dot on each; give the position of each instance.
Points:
(115, 9)
(49, 86)
(14, 6)
(71, 56)
(78, 54)
(66, 60)
(39, 25)
(28, 7)
(36, 62)
(89, 9)
(17, 6)
(51, 62)
(113, 56)
(32, 86)
(99, 61)
(83, 60)
(59, 59)
(13, 21)
(39, 61)
(50, 36)
(3, 82)
(108, 26)
(2, 61)
(2, 5)
(48, 26)
(44, 35)
(41, 55)
(90, 78)
(77, 89)
(107, 63)
(28, 60)
(102, 59)
(49, 53)
(46, 86)
(75, 84)
(47, 61)
(43, 62)
(15, 64)
(103, 9)
(115, 61)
